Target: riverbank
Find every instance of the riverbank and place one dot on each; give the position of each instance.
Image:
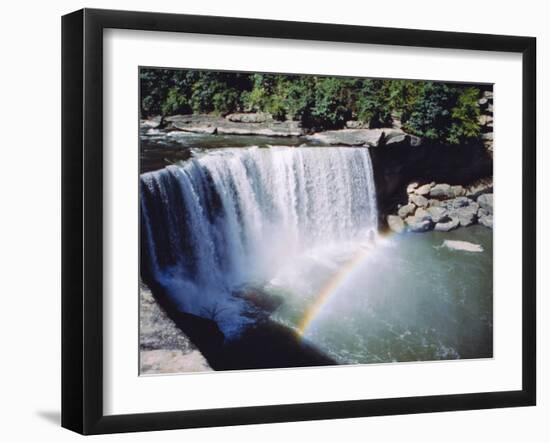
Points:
(163, 347)
(263, 125)
(173, 342)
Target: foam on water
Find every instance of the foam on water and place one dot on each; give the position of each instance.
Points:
(233, 216)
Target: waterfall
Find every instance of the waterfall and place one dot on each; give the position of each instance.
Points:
(233, 216)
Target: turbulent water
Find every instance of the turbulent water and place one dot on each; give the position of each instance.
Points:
(299, 224)
(234, 217)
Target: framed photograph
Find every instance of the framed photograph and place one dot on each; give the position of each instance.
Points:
(269, 221)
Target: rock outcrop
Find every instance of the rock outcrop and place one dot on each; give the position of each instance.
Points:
(359, 137)
(234, 124)
(164, 348)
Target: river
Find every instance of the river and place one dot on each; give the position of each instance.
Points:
(227, 216)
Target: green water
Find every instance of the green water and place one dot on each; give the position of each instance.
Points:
(409, 300)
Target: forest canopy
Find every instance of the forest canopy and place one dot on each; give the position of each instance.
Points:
(442, 112)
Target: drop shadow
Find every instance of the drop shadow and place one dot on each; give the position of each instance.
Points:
(52, 417)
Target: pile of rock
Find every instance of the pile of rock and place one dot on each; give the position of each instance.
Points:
(486, 120)
(443, 207)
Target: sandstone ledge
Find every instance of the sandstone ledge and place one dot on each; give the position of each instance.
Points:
(164, 348)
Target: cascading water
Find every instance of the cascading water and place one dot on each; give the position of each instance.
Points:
(233, 217)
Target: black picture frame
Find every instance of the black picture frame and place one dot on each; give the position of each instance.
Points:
(82, 216)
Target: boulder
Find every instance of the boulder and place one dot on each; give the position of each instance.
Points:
(487, 137)
(458, 202)
(405, 211)
(458, 190)
(487, 221)
(411, 187)
(423, 214)
(395, 139)
(445, 226)
(418, 224)
(442, 191)
(437, 213)
(480, 187)
(423, 190)
(466, 215)
(433, 202)
(485, 201)
(395, 223)
(354, 124)
(482, 212)
(241, 117)
(419, 200)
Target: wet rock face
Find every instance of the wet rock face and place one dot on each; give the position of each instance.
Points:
(164, 348)
(418, 223)
(396, 224)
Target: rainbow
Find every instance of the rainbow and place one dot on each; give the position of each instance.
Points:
(331, 288)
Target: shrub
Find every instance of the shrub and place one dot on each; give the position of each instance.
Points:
(440, 112)
(331, 108)
(175, 103)
(372, 105)
(431, 116)
(299, 99)
(465, 114)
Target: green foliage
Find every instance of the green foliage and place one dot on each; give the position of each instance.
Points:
(445, 113)
(300, 99)
(465, 116)
(436, 111)
(431, 116)
(174, 103)
(267, 95)
(373, 106)
(331, 109)
(402, 96)
(218, 94)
